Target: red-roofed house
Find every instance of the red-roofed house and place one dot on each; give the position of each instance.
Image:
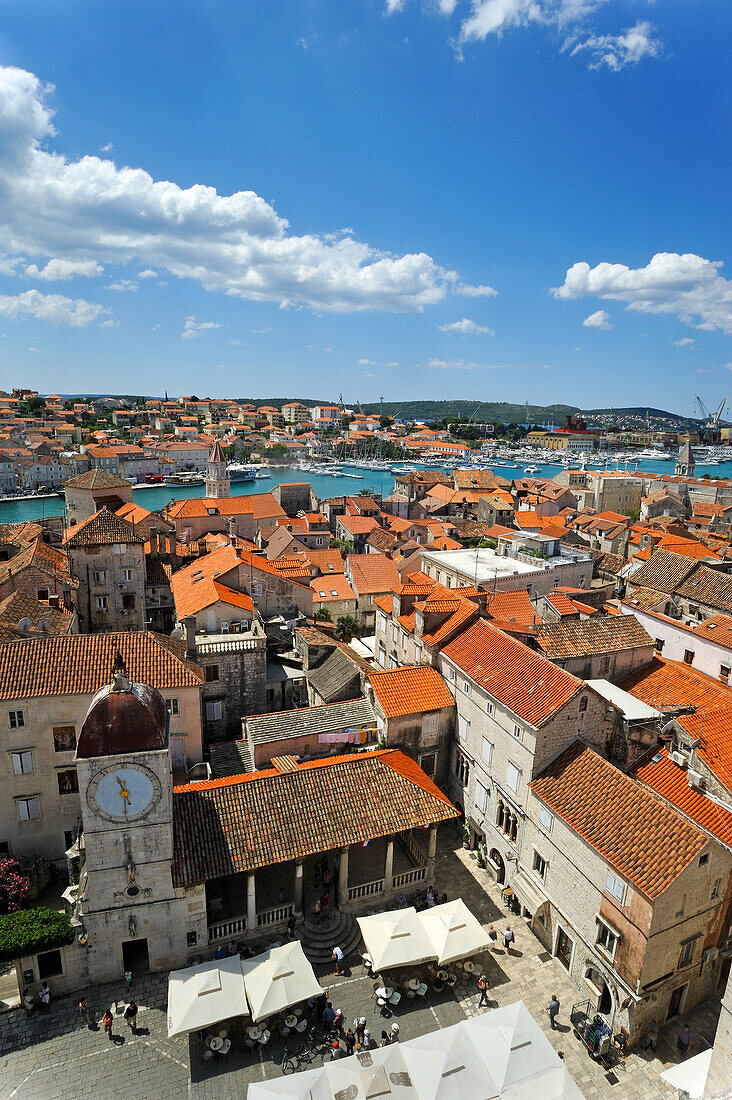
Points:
(372, 576)
(415, 711)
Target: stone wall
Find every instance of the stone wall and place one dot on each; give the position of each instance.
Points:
(240, 683)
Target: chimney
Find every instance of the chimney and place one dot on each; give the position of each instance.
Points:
(232, 530)
(189, 624)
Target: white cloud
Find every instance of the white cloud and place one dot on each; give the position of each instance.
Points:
(466, 327)
(54, 308)
(193, 328)
(148, 273)
(476, 291)
(261, 331)
(688, 286)
(726, 366)
(618, 50)
(394, 5)
(106, 148)
(366, 363)
(460, 364)
(60, 270)
(685, 342)
(391, 364)
(600, 319)
(369, 376)
(705, 370)
(238, 244)
(122, 285)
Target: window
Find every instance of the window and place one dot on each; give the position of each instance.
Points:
(517, 732)
(394, 632)
(64, 738)
(615, 887)
(687, 953)
(256, 589)
(451, 673)
(486, 751)
(28, 809)
(539, 865)
(489, 707)
(703, 859)
(119, 548)
(480, 798)
(658, 646)
(68, 782)
(715, 889)
(513, 777)
(22, 762)
(583, 704)
(102, 604)
(212, 674)
(213, 711)
(545, 819)
(428, 762)
(42, 594)
(126, 574)
(466, 687)
(724, 671)
(17, 719)
(688, 656)
(128, 601)
(49, 965)
(607, 940)
(172, 706)
(99, 576)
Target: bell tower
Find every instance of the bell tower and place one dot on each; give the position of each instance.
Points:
(217, 478)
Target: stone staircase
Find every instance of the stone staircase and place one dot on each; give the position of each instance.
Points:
(318, 940)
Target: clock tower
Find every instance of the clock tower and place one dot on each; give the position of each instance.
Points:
(127, 903)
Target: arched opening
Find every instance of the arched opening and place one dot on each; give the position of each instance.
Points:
(596, 979)
(606, 1000)
(497, 858)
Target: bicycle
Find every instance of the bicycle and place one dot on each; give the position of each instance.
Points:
(293, 1061)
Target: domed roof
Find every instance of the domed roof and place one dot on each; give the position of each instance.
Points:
(124, 718)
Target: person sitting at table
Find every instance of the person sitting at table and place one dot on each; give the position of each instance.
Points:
(432, 970)
(431, 896)
(401, 901)
(443, 899)
(417, 898)
(291, 926)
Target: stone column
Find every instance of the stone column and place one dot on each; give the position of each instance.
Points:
(343, 879)
(389, 864)
(431, 853)
(251, 903)
(298, 889)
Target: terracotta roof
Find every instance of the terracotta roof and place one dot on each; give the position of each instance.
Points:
(581, 637)
(643, 598)
(648, 841)
(672, 685)
(79, 664)
(96, 479)
(527, 519)
(664, 571)
(529, 685)
(659, 772)
(561, 603)
(708, 586)
(194, 586)
(372, 573)
(334, 587)
(413, 689)
(358, 525)
(101, 529)
(241, 823)
(326, 561)
(259, 505)
(713, 729)
(479, 479)
(19, 605)
(512, 608)
(38, 555)
(718, 628)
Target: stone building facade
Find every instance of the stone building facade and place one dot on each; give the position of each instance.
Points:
(107, 559)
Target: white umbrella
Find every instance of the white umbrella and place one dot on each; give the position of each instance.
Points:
(453, 931)
(396, 938)
(445, 1065)
(513, 1045)
(378, 1074)
(205, 994)
(310, 1084)
(552, 1084)
(278, 978)
(690, 1076)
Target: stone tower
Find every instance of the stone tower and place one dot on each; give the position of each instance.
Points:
(685, 462)
(217, 480)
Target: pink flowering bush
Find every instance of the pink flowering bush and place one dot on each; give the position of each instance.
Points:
(13, 886)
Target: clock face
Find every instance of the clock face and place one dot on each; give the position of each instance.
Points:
(124, 793)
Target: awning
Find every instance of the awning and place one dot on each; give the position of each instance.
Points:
(690, 1076)
(205, 994)
(528, 893)
(278, 978)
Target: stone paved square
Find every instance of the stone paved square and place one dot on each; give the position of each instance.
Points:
(54, 1055)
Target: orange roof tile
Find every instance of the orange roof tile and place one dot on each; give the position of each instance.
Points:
(532, 687)
(672, 685)
(335, 587)
(718, 628)
(713, 728)
(414, 689)
(648, 841)
(658, 771)
(512, 608)
(372, 573)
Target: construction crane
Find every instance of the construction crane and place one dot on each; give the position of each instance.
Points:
(711, 419)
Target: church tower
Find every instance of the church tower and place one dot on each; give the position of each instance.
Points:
(127, 905)
(217, 479)
(685, 462)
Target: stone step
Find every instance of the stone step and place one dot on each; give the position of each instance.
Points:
(319, 940)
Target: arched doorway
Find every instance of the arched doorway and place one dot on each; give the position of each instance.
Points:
(497, 859)
(605, 1003)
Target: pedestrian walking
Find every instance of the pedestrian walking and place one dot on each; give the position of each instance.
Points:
(394, 1033)
(131, 1017)
(483, 987)
(360, 1027)
(367, 1040)
(350, 1040)
(508, 938)
(45, 997)
(329, 1014)
(335, 1050)
(493, 937)
(337, 956)
(651, 1036)
(128, 978)
(28, 1002)
(84, 1011)
(385, 1040)
(108, 1021)
(324, 903)
(684, 1041)
(553, 1011)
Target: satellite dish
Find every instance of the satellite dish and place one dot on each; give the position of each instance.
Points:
(25, 624)
(43, 626)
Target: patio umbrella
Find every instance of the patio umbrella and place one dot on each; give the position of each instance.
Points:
(453, 931)
(553, 1084)
(278, 978)
(202, 995)
(378, 1074)
(396, 938)
(445, 1065)
(513, 1045)
(310, 1084)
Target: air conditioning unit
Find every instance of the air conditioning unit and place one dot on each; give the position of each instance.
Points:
(121, 586)
(696, 779)
(679, 758)
(710, 954)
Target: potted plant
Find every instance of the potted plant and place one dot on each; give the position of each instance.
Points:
(466, 837)
(481, 854)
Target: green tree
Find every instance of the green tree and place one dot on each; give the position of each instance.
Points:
(29, 931)
(346, 628)
(324, 614)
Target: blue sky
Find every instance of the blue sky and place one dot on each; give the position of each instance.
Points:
(490, 199)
